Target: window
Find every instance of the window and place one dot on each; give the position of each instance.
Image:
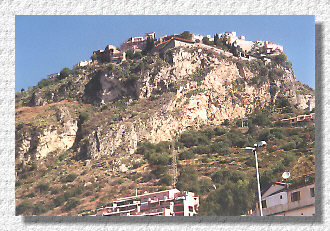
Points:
(264, 204)
(281, 197)
(312, 192)
(178, 208)
(191, 209)
(295, 196)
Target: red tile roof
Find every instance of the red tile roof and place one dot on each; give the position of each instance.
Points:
(163, 44)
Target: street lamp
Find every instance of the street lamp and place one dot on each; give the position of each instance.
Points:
(254, 150)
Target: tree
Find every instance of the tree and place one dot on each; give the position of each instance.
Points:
(65, 72)
(216, 39)
(186, 35)
(129, 54)
(206, 40)
(150, 44)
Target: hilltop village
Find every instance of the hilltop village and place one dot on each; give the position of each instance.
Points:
(227, 43)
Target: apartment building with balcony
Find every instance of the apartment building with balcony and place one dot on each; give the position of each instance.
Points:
(164, 203)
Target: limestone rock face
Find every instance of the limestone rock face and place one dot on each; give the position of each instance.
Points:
(205, 89)
(39, 142)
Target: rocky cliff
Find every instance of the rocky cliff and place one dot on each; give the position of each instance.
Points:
(152, 99)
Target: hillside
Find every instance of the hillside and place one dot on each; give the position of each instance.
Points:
(102, 131)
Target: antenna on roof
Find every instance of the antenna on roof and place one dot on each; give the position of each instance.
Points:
(285, 176)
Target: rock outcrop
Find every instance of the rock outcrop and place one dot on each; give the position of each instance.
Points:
(202, 89)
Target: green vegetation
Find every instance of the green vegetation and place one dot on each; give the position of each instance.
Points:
(186, 35)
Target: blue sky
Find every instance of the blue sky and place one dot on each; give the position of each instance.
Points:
(47, 44)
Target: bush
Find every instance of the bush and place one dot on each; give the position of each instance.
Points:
(72, 203)
(166, 179)
(59, 200)
(54, 190)
(69, 178)
(224, 175)
(186, 155)
(40, 208)
(65, 72)
(260, 119)
(25, 208)
(194, 139)
(159, 159)
(219, 131)
(265, 135)
(278, 133)
(160, 170)
(83, 116)
(288, 159)
(43, 187)
(289, 146)
(204, 186)
(187, 178)
(73, 192)
(202, 149)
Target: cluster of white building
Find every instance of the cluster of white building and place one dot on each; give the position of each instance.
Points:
(111, 53)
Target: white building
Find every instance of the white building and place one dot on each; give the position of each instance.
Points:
(198, 36)
(271, 47)
(82, 63)
(287, 200)
(164, 203)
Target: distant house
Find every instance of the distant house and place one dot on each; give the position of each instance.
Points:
(82, 63)
(282, 199)
(109, 54)
(299, 119)
(173, 42)
(199, 37)
(270, 47)
(150, 35)
(51, 76)
(133, 43)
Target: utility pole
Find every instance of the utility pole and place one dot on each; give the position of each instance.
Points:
(174, 166)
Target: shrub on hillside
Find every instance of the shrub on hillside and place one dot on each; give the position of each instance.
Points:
(59, 200)
(159, 159)
(224, 175)
(72, 203)
(278, 133)
(219, 131)
(289, 145)
(65, 72)
(194, 139)
(43, 187)
(166, 180)
(24, 208)
(160, 170)
(186, 155)
(40, 208)
(69, 178)
(265, 135)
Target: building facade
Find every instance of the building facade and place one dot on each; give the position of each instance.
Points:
(173, 42)
(109, 54)
(164, 203)
(133, 43)
(282, 199)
